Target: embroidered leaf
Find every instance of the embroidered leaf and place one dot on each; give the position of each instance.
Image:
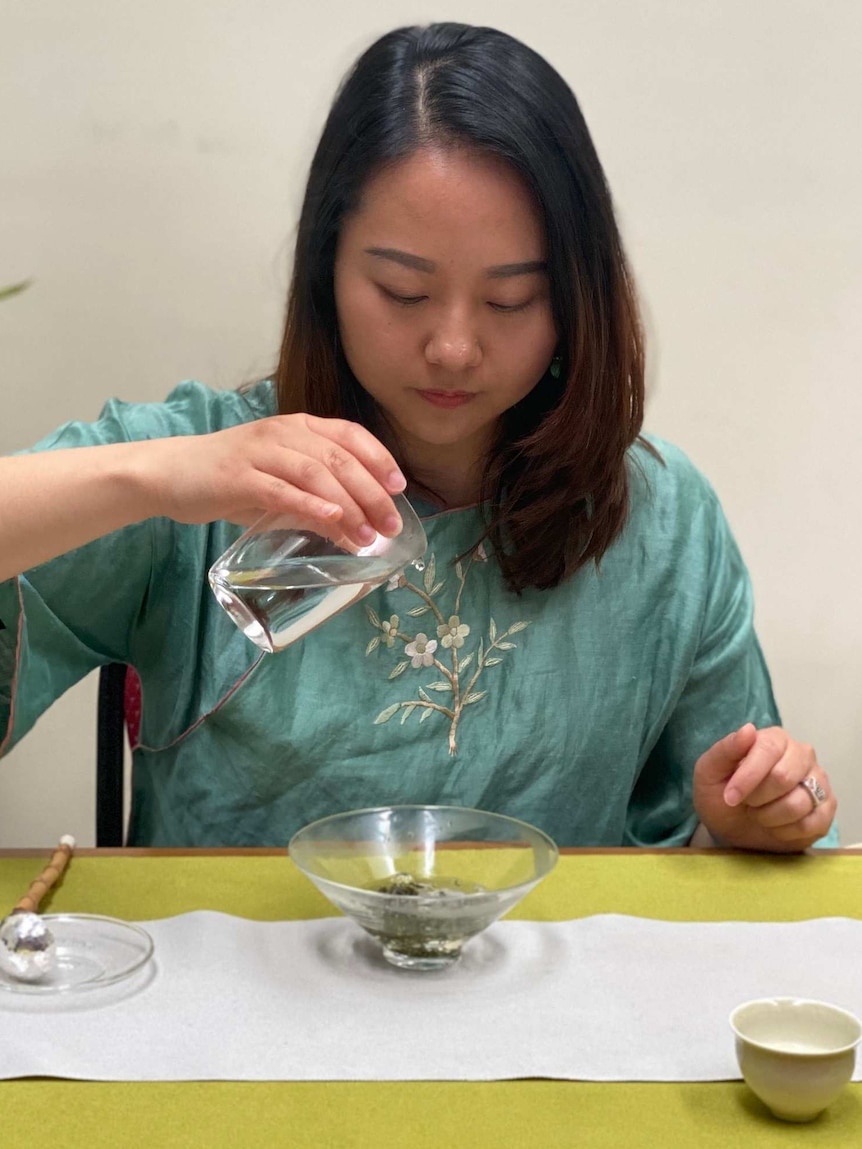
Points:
(417, 610)
(506, 645)
(465, 662)
(408, 710)
(373, 645)
(423, 695)
(436, 589)
(481, 649)
(516, 626)
(490, 661)
(459, 571)
(492, 631)
(386, 714)
(430, 574)
(425, 713)
(399, 669)
(475, 697)
(441, 686)
(375, 621)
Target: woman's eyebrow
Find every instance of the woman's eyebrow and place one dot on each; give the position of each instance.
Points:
(505, 270)
(418, 263)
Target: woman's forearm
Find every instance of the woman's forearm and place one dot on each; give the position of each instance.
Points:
(330, 475)
(54, 501)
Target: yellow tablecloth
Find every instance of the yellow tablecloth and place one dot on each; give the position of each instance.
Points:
(521, 1114)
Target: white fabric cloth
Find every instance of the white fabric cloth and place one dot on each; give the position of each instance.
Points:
(606, 998)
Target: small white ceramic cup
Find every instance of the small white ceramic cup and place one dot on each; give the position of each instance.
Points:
(796, 1055)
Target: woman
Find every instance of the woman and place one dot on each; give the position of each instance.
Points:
(461, 322)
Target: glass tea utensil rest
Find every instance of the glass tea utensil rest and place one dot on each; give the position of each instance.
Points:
(279, 581)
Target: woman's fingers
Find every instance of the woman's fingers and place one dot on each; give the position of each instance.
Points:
(360, 443)
(748, 791)
(792, 762)
(272, 493)
(306, 486)
(364, 470)
(798, 815)
(777, 800)
(754, 769)
(323, 465)
(301, 485)
(321, 471)
(794, 806)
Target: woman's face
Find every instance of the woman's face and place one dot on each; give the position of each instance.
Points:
(442, 296)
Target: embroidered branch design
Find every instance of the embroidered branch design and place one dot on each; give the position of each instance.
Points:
(460, 678)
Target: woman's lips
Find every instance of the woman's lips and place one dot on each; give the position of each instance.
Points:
(448, 398)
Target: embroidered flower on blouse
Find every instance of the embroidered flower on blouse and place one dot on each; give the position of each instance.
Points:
(421, 650)
(390, 630)
(453, 632)
(456, 685)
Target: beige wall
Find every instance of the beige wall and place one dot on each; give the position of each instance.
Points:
(152, 163)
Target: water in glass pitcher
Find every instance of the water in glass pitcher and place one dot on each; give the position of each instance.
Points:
(279, 580)
(276, 605)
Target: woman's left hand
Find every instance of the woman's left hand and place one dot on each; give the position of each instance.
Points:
(748, 791)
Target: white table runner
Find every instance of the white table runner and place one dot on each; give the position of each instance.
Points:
(606, 998)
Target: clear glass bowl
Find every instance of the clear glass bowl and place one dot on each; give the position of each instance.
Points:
(423, 880)
(279, 581)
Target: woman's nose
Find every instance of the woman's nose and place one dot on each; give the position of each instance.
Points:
(454, 347)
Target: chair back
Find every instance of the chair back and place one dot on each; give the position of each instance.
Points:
(110, 733)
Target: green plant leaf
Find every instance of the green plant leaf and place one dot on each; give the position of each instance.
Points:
(423, 695)
(408, 710)
(465, 662)
(492, 661)
(418, 610)
(516, 626)
(425, 713)
(474, 697)
(435, 590)
(375, 621)
(399, 669)
(373, 645)
(440, 686)
(14, 289)
(492, 630)
(506, 645)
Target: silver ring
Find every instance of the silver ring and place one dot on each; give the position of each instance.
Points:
(815, 790)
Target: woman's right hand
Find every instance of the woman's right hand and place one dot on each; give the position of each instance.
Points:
(332, 475)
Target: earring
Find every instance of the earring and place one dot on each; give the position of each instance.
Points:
(556, 367)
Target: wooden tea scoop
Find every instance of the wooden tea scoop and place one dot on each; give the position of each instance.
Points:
(27, 948)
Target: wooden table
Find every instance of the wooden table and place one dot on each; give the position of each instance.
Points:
(263, 884)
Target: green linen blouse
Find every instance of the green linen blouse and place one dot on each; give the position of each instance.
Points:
(580, 709)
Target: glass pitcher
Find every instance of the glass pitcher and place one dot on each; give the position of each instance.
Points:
(279, 581)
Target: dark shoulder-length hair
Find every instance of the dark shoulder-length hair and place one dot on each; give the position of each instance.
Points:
(556, 487)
